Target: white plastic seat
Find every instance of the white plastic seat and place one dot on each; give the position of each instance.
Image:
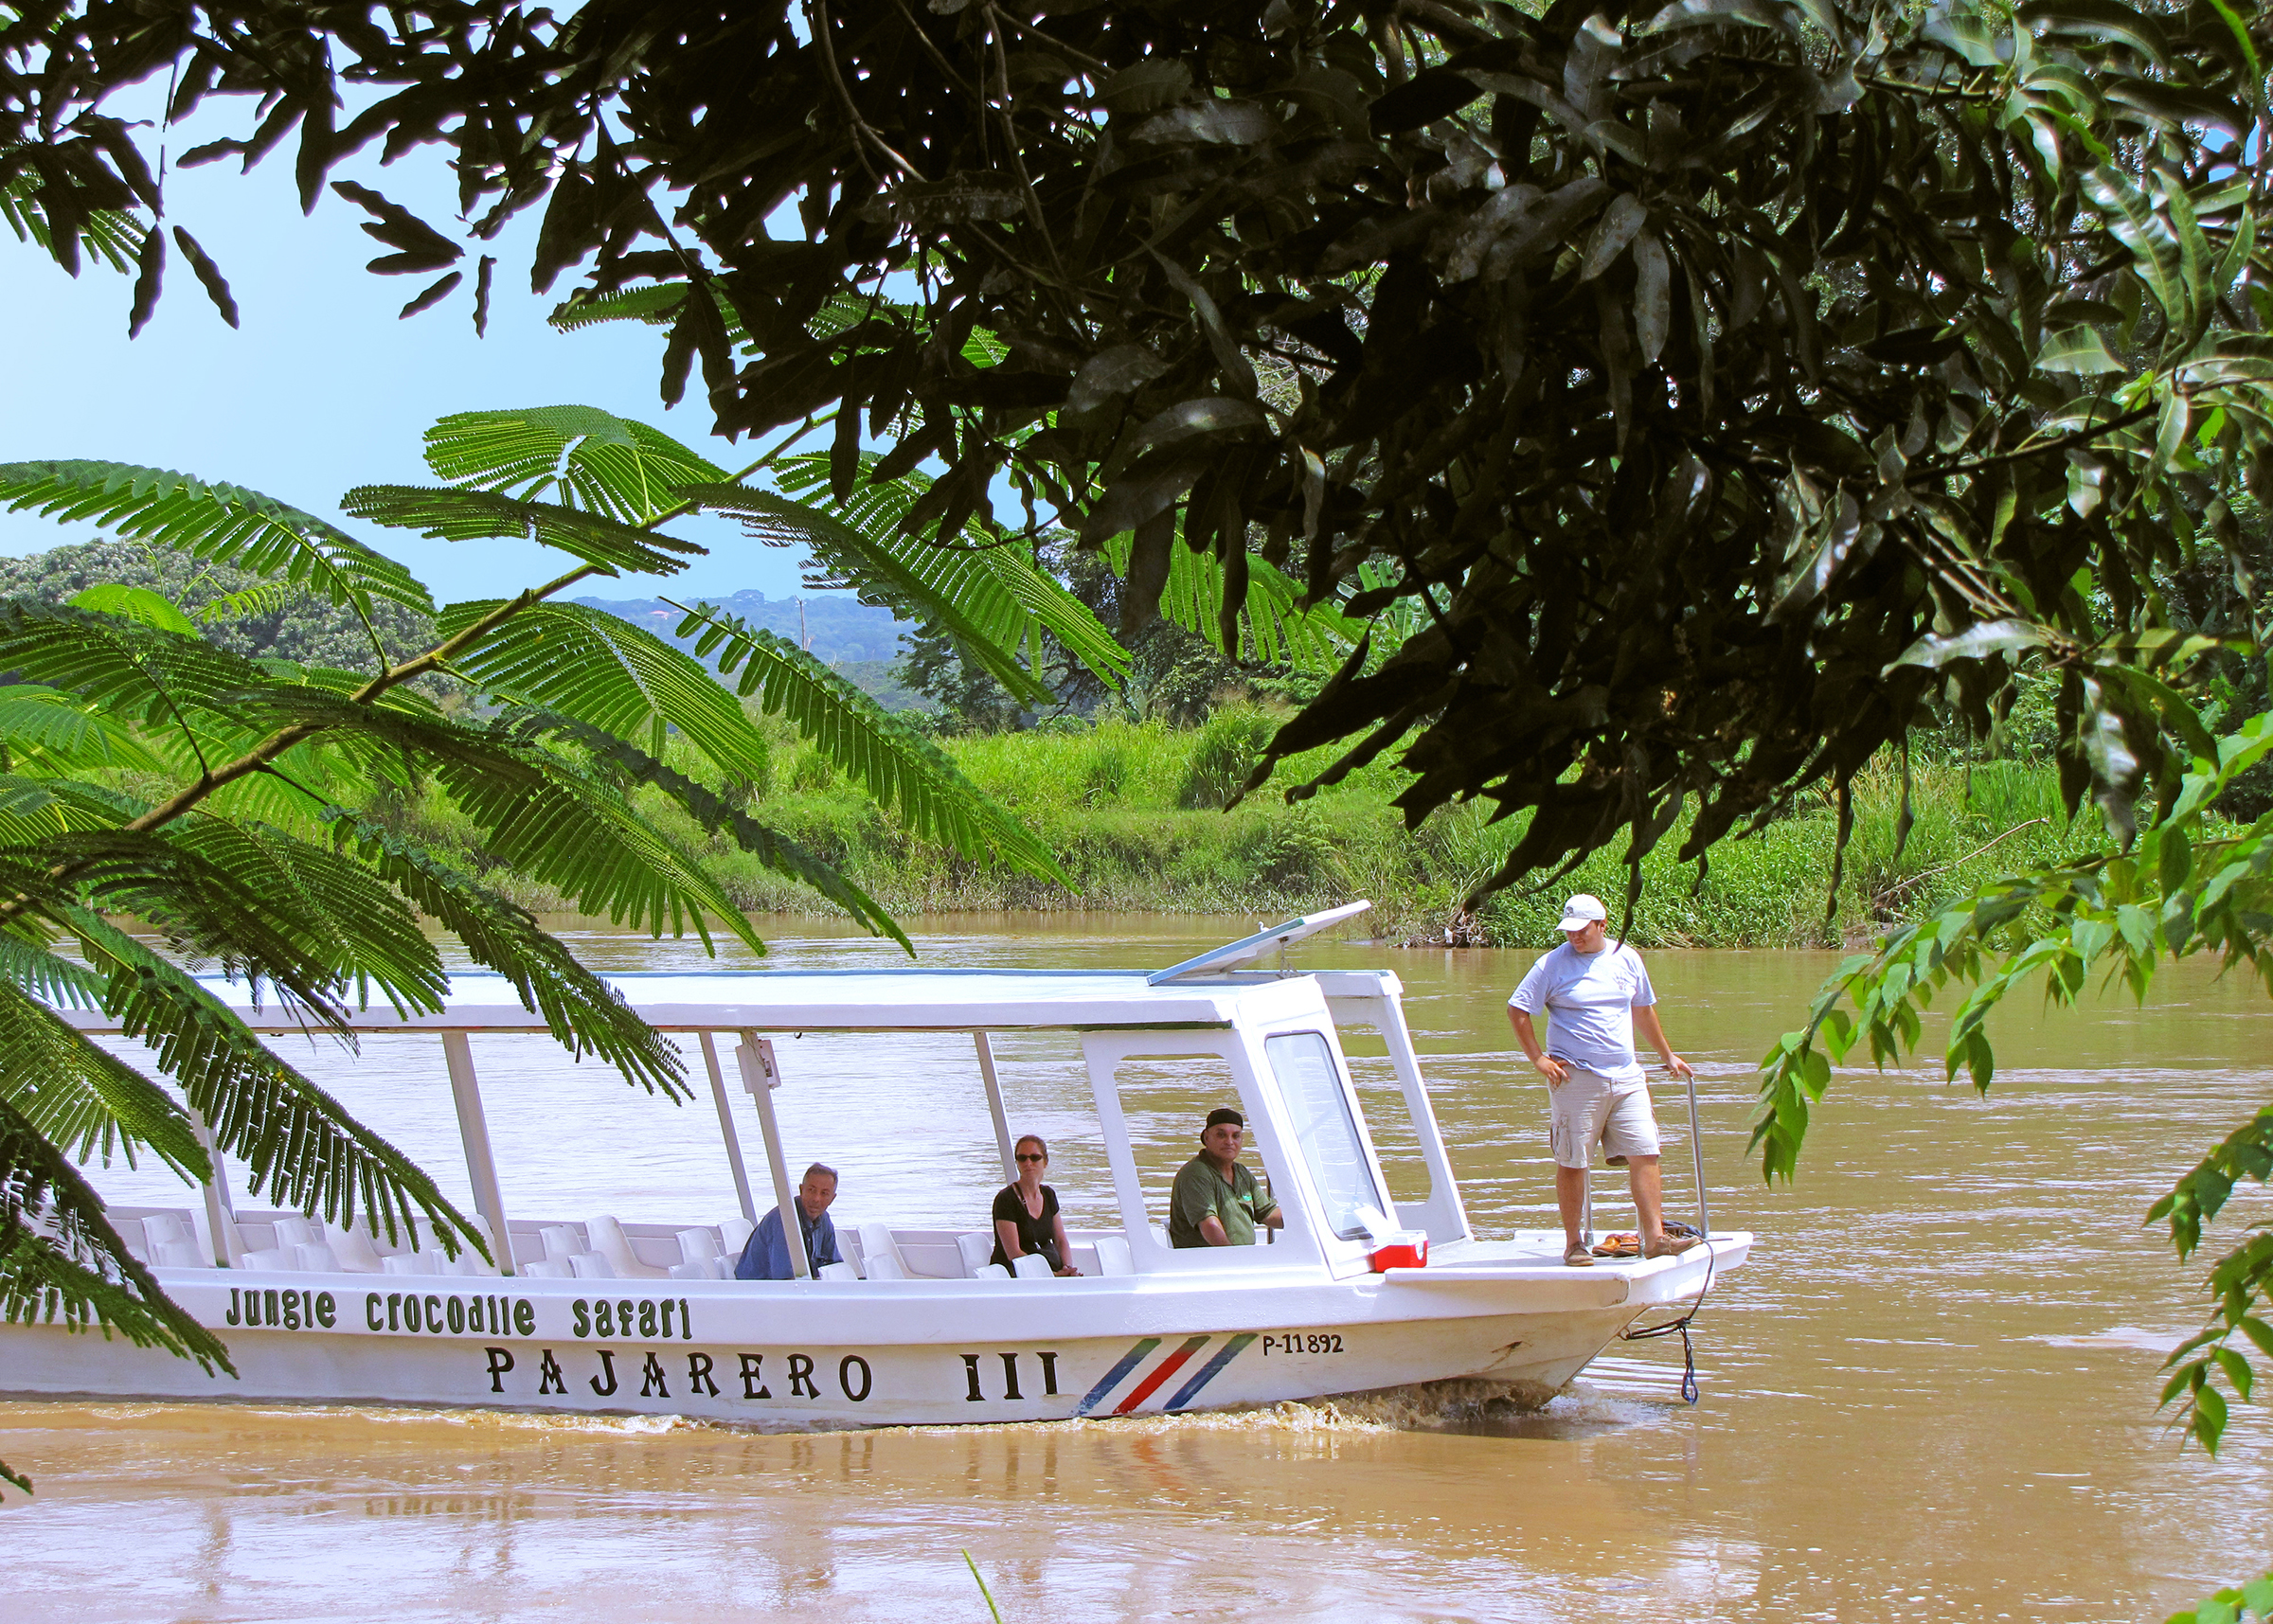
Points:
(353, 1249)
(1031, 1266)
(975, 1250)
(1160, 1236)
(294, 1230)
(734, 1233)
(547, 1269)
(163, 1229)
(561, 1243)
(699, 1269)
(179, 1254)
(723, 1268)
(406, 1263)
(877, 1247)
(1112, 1256)
(611, 1243)
(271, 1257)
(697, 1246)
(591, 1266)
(465, 1263)
(836, 1272)
(989, 1272)
(315, 1258)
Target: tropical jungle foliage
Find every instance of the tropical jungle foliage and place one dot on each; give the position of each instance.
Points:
(1681, 364)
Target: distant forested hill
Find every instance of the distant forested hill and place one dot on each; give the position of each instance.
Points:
(841, 627)
(285, 627)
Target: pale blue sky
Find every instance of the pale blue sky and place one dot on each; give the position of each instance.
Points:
(322, 387)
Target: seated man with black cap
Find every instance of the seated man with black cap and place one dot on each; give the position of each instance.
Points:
(1217, 1201)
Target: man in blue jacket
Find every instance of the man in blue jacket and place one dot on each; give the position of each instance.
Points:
(766, 1257)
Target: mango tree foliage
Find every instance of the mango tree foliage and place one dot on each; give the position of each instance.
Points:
(1680, 365)
(147, 773)
(2187, 884)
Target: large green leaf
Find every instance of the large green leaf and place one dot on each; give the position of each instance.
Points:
(579, 455)
(224, 525)
(903, 771)
(444, 514)
(601, 670)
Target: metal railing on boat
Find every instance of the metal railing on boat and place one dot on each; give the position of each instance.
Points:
(1696, 1154)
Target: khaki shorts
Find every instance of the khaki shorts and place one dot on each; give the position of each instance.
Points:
(1588, 1108)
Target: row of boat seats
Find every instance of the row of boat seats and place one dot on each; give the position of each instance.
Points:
(297, 1245)
(601, 1251)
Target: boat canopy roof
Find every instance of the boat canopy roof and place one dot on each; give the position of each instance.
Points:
(845, 1000)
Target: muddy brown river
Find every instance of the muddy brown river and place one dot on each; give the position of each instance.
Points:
(1930, 1395)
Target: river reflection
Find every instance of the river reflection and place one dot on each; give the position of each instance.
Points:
(1929, 1396)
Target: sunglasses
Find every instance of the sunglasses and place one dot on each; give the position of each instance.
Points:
(1030, 1156)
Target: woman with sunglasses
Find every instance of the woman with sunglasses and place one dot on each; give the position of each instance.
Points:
(1026, 1213)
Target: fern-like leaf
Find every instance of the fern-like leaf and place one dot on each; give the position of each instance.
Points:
(443, 514)
(51, 731)
(262, 597)
(297, 1143)
(585, 663)
(224, 524)
(1274, 628)
(652, 306)
(541, 814)
(339, 918)
(127, 670)
(578, 455)
(774, 849)
(584, 1013)
(903, 565)
(82, 1097)
(60, 1259)
(994, 599)
(902, 770)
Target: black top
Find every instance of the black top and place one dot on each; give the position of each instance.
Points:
(1036, 1235)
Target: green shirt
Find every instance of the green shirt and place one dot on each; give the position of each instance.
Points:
(1200, 1192)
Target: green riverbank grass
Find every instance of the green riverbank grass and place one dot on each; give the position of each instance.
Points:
(1134, 812)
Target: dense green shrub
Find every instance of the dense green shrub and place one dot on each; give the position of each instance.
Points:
(1228, 746)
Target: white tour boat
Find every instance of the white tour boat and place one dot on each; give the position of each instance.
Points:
(1355, 1293)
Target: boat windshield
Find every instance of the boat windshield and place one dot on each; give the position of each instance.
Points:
(1311, 1085)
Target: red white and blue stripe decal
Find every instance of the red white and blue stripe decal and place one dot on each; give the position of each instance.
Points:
(1160, 1375)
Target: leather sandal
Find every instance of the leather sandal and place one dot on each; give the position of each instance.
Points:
(1670, 1245)
(1577, 1255)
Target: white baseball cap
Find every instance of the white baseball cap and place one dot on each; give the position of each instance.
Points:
(1581, 911)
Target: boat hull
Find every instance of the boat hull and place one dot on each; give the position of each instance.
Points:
(871, 1353)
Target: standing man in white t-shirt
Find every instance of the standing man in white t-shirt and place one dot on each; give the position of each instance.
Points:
(1596, 993)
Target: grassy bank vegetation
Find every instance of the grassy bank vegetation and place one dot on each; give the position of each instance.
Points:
(1135, 813)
